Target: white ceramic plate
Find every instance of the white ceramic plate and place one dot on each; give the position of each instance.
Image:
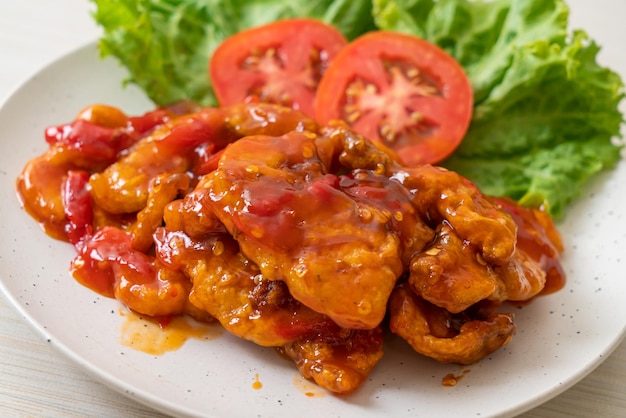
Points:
(560, 338)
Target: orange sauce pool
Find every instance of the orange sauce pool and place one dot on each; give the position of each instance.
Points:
(257, 383)
(451, 379)
(149, 336)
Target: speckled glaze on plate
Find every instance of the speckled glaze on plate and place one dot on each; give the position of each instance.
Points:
(560, 338)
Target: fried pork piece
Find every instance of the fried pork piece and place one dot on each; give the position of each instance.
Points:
(450, 280)
(230, 287)
(108, 264)
(339, 365)
(446, 196)
(453, 274)
(338, 257)
(162, 190)
(88, 144)
(369, 184)
(181, 145)
(38, 187)
(436, 194)
(123, 187)
(437, 333)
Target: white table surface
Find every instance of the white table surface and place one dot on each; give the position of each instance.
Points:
(36, 380)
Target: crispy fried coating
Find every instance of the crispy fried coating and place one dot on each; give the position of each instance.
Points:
(451, 274)
(445, 196)
(123, 187)
(436, 333)
(290, 216)
(176, 146)
(340, 365)
(231, 288)
(162, 190)
(371, 184)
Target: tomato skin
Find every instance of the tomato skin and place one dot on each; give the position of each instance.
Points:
(280, 62)
(408, 86)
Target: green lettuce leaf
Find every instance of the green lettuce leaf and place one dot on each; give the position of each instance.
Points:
(545, 110)
(481, 35)
(166, 44)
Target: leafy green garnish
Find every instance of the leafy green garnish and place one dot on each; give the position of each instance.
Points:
(545, 110)
(548, 125)
(166, 44)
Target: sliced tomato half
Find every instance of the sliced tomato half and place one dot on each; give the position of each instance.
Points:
(281, 62)
(399, 90)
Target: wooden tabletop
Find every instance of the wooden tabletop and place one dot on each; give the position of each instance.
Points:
(36, 380)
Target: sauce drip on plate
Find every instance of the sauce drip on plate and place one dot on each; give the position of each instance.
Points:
(156, 337)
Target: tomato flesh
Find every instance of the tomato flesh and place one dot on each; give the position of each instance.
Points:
(281, 62)
(401, 91)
